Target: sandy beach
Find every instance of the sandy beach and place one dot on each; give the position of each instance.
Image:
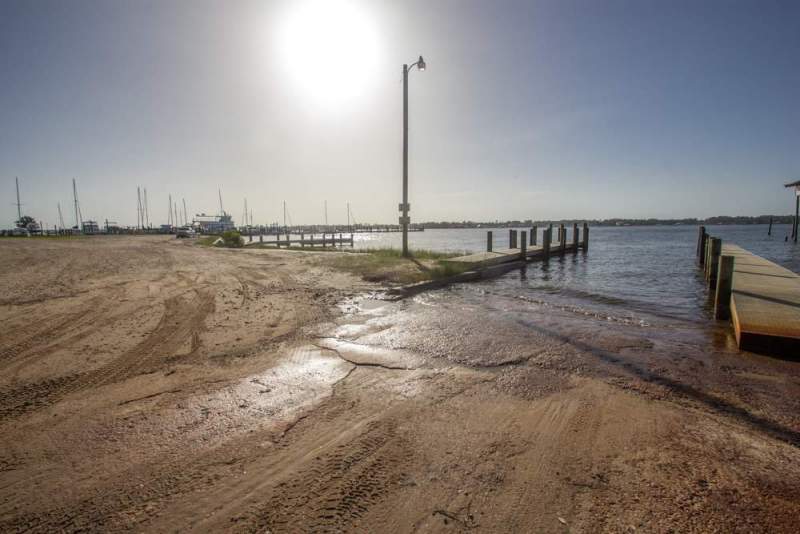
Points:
(153, 385)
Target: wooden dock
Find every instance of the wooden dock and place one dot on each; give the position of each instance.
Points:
(325, 240)
(523, 246)
(761, 299)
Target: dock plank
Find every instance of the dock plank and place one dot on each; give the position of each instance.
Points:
(765, 304)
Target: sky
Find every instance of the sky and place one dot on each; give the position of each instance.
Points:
(526, 110)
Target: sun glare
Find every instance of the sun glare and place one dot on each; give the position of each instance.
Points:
(329, 50)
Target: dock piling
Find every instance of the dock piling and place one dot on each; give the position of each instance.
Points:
(513, 239)
(562, 240)
(575, 236)
(722, 297)
(523, 242)
(585, 237)
(489, 241)
(533, 235)
(713, 263)
(701, 233)
(546, 237)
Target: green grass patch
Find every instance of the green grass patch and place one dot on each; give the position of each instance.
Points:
(445, 270)
(207, 241)
(230, 239)
(389, 266)
(385, 265)
(419, 254)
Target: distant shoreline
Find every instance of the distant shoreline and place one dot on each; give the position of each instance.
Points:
(711, 221)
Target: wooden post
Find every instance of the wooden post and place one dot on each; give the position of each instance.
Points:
(251, 237)
(722, 298)
(523, 242)
(796, 216)
(278, 240)
(534, 231)
(261, 238)
(562, 240)
(575, 236)
(703, 244)
(351, 240)
(769, 232)
(707, 264)
(701, 232)
(489, 241)
(546, 236)
(511, 238)
(513, 243)
(341, 243)
(302, 240)
(716, 249)
(585, 237)
(323, 239)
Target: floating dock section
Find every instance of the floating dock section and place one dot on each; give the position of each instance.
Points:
(761, 299)
(523, 246)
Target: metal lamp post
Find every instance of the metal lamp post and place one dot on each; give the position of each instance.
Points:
(404, 207)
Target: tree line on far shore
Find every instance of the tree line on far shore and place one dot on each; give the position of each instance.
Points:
(719, 219)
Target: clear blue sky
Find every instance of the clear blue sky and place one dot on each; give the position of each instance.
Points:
(527, 109)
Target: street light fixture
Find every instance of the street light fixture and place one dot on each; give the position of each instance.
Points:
(404, 207)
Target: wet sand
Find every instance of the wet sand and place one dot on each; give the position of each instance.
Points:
(151, 385)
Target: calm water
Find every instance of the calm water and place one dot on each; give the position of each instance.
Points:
(637, 274)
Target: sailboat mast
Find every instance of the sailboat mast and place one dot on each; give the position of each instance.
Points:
(146, 208)
(75, 197)
(19, 204)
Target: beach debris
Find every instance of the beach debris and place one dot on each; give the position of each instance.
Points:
(467, 521)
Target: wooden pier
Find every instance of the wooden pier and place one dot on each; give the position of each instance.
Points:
(324, 240)
(523, 246)
(761, 299)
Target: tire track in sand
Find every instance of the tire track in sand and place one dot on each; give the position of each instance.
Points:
(180, 321)
(339, 486)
